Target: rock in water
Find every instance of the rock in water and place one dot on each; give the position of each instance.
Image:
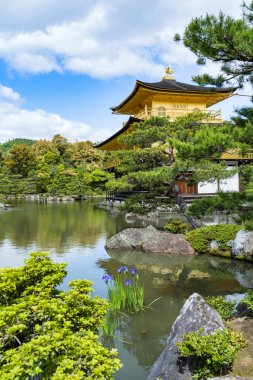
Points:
(243, 245)
(150, 239)
(195, 314)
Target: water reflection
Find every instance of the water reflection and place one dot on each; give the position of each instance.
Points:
(76, 233)
(173, 278)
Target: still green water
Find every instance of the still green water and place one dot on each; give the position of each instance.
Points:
(76, 233)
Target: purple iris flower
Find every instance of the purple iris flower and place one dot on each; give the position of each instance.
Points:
(107, 277)
(128, 282)
(122, 269)
(133, 271)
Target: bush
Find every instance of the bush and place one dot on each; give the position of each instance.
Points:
(248, 300)
(248, 225)
(50, 333)
(176, 227)
(137, 204)
(213, 354)
(225, 308)
(201, 237)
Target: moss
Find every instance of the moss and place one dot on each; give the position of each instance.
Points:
(221, 253)
(222, 233)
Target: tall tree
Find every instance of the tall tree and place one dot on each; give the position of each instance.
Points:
(19, 160)
(225, 40)
(168, 152)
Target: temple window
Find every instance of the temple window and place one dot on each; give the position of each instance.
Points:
(161, 111)
(179, 106)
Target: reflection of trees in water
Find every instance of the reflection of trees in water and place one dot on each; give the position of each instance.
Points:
(56, 226)
(173, 278)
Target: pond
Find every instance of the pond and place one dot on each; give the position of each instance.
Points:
(76, 233)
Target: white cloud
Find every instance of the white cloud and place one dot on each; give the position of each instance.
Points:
(17, 121)
(8, 95)
(99, 38)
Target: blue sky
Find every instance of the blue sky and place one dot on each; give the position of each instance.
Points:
(64, 63)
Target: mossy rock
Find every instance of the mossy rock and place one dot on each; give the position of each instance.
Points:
(221, 253)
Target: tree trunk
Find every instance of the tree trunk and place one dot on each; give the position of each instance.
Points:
(195, 223)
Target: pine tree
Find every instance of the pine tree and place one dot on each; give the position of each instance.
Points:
(185, 150)
(225, 40)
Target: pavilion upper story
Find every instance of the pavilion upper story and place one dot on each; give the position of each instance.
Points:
(167, 98)
(171, 98)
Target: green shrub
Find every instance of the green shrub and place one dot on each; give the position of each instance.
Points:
(176, 227)
(48, 332)
(213, 354)
(137, 204)
(248, 225)
(248, 300)
(201, 237)
(225, 308)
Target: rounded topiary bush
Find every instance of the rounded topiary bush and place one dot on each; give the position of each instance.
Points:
(201, 237)
(176, 227)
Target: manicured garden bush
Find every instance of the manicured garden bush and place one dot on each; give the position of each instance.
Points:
(176, 227)
(248, 300)
(221, 233)
(47, 332)
(225, 308)
(213, 354)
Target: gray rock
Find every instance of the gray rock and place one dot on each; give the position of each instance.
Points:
(130, 217)
(149, 239)
(214, 245)
(195, 314)
(243, 245)
(53, 198)
(242, 310)
(229, 243)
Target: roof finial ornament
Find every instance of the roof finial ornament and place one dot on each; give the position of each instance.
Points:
(168, 72)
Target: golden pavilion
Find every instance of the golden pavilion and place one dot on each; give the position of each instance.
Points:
(170, 98)
(165, 98)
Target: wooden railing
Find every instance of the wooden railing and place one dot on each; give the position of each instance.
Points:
(174, 113)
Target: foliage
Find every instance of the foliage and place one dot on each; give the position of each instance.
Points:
(248, 225)
(48, 332)
(214, 353)
(98, 178)
(55, 167)
(20, 160)
(225, 40)
(239, 204)
(201, 237)
(138, 204)
(248, 300)
(176, 227)
(167, 153)
(125, 291)
(225, 308)
(5, 147)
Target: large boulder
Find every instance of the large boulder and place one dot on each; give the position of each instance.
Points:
(242, 247)
(149, 239)
(195, 314)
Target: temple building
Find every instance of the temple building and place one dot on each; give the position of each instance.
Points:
(170, 98)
